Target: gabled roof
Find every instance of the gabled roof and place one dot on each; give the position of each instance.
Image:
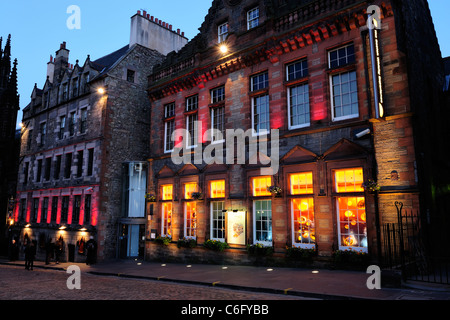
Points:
(105, 63)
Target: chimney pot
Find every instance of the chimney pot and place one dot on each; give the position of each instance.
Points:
(156, 20)
(170, 26)
(152, 18)
(148, 15)
(145, 13)
(182, 34)
(139, 12)
(178, 31)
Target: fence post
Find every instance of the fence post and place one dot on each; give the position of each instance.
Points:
(399, 206)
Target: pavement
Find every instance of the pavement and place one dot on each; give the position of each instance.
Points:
(319, 284)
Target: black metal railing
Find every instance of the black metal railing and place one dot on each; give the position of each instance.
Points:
(410, 247)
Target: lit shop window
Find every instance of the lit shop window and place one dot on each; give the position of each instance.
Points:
(303, 226)
(260, 186)
(167, 192)
(218, 189)
(352, 223)
(349, 180)
(301, 183)
(166, 219)
(190, 219)
(189, 189)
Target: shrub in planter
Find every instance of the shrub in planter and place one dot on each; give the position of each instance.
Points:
(258, 249)
(187, 243)
(215, 245)
(295, 253)
(351, 258)
(163, 240)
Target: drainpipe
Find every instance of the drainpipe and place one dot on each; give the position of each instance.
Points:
(364, 34)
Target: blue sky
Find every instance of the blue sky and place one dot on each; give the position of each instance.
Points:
(39, 27)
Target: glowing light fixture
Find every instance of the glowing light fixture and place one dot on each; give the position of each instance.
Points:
(62, 228)
(223, 48)
(101, 90)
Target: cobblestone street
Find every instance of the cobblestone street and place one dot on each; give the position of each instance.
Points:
(16, 283)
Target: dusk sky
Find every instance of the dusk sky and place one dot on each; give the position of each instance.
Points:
(38, 28)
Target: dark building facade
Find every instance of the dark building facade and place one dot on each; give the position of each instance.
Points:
(83, 131)
(9, 156)
(346, 113)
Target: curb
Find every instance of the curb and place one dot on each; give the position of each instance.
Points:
(319, 296)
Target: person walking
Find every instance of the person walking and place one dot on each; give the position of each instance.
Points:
(58, 250)
(48, 251)
(91, 247)
(30, 252)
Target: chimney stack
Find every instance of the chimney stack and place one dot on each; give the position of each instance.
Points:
(154, 33)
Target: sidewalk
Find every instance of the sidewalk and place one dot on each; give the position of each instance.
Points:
(320, 283)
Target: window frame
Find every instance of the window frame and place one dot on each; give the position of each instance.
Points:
(192, 118)
(311, 228)
(345, 195)
(166, 227)
(332, 96)
(221, 220)
(306, 105)
(221, 34)
(339, 70)
(253, 186)
(76, 209)
(62, 127)
(252, 22)
(87, 209)
(269, 230)
(190, 220)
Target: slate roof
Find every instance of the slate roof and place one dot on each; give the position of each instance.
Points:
(104, 64)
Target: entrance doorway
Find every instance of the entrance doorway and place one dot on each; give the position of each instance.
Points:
(132, 241)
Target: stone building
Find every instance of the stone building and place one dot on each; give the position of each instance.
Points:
(9, 156)
(343, 98)
(81, 131)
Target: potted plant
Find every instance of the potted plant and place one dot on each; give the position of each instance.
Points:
(164, 240)
(186, 243)
(371, 186)
(215, 245)
(276, 191)
(150, 197)
(196, 195)
(258, 249)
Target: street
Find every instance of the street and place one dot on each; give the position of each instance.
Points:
(16, 283)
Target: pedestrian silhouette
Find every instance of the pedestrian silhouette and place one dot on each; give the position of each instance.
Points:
(91, 247)
(30, 252)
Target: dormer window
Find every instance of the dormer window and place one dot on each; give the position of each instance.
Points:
(253, 18)
(222, 32)
(64, 92)
(75, 87)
